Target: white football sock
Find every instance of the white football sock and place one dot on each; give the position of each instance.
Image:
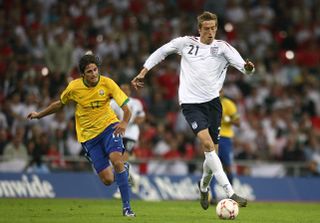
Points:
(135, 179)
(213, 163)
(206, 177)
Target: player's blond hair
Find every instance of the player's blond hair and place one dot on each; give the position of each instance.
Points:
(206, 16)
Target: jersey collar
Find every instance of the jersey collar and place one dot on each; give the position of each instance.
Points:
(88, 86)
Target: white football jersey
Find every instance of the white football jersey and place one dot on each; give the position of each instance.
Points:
(203, 67)
(136, 108)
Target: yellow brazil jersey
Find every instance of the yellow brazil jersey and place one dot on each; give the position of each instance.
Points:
(93, 112)
(230, 110)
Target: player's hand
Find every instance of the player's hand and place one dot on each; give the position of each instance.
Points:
(138, 81)
(120, 128)
(33, 115)
(248, 66)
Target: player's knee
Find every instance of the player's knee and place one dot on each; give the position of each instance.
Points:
(107, 176)
(107, 180)
(118, 166)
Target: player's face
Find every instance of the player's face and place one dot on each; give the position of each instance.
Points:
(91, 74)
(208, 31)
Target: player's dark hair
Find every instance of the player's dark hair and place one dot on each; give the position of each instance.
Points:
(86, 60)
(206, 16)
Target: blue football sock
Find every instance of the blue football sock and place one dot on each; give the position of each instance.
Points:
(213, 193)
(122, 181)
(230, 178)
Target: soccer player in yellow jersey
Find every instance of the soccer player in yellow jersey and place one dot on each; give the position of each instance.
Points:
(98, 128)
(230, 117)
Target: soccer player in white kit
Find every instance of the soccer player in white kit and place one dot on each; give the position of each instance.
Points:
(203, 67)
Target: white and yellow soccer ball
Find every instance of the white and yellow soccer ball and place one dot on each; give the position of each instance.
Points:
(227, 209)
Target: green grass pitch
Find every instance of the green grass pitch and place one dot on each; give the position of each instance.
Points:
(109, 211)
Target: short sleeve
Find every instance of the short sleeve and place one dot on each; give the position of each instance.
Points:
(65, 96)
(117, 94)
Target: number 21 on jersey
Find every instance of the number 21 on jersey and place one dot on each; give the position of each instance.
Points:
(193, 50)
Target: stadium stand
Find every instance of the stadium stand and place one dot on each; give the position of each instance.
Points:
(41, 41)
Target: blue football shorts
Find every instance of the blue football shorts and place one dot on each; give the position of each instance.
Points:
(225, 151)
(98, 149)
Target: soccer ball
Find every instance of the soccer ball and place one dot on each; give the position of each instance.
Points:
(227, 209)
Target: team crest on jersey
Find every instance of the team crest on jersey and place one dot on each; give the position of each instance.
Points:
(194, 125)
(214, 50)
(101, 92)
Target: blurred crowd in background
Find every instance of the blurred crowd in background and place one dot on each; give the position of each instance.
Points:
(41, 42)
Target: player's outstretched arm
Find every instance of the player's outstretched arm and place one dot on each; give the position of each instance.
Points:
(138, 81)
(52, 108)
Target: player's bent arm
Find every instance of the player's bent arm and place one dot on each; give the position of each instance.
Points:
(155, 58)
(120, 128)
(126, 113)
(52, 108)
(143, 72)
(161, 53)
(235, 59)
